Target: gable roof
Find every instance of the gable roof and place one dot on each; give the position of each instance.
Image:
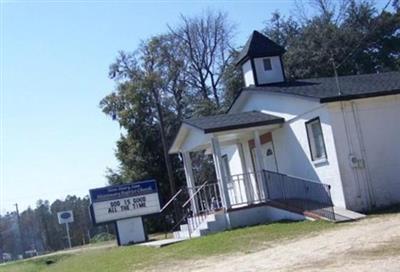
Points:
(325, 89)
(259, 45)
(223, 122)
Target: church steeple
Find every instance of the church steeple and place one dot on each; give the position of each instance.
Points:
(261, 61)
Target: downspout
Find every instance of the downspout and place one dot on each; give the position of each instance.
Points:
(371, 193)
(350, 145)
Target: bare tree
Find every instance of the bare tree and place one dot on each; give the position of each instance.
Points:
(334, 10)
(172, 66)
(207, 43)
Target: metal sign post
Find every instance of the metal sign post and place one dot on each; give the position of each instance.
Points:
(69, 237)
(66, 217)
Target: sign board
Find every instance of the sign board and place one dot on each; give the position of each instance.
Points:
(124, 201)
(65, 217)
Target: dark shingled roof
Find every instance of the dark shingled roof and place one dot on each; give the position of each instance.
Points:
(257, 46)
(225, 122)
(325, 89)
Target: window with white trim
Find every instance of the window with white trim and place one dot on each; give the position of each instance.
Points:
(316, 140)
(267, 64)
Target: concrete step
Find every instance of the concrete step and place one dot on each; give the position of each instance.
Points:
(181, 234)
(204, 232)
(344, 215)
(211, 223)
(161, 243)
(217, 225)
(184, 227)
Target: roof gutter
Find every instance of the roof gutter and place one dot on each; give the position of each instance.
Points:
(357, 96)
(248, 125)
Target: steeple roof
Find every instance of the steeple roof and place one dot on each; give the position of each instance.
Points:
(257, 46)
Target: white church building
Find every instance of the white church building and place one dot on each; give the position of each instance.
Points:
(313, 148)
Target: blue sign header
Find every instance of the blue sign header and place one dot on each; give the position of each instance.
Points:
(65, 215)
(123, 191)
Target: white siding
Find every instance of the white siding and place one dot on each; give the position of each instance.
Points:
(290, 141)
(234, 159)
(371, 133)
(248, 74)
(269, 76)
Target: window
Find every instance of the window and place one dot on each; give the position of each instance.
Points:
(316, 139)
(267, 64)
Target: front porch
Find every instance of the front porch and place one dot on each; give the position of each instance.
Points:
(286, 198)
(282, 191)
(235, 145)
(247, 187)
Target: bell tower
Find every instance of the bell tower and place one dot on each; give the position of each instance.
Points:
(261, 61)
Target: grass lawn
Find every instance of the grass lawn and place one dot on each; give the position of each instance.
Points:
(132, 258)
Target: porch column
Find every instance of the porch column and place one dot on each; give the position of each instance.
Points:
(260, 164)
(222, 179)
(187, 164)
(246, 180)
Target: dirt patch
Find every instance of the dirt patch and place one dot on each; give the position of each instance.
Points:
(387, 249)
(372, 243)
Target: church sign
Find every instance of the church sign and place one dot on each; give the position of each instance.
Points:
(118, 202)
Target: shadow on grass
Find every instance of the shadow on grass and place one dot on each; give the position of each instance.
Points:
(283, 221)
(50, 260)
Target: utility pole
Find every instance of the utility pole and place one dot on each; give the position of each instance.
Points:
(21, 240)
(332, 59)
(1, 242)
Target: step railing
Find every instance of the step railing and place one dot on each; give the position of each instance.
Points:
(191, 206)
(172, 215)
(205, 199)
(173, 198)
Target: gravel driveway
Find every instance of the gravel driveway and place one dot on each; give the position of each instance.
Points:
(371, 244)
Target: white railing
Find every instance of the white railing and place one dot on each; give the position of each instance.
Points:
(257, 187)
(246, 188)
(206, 197)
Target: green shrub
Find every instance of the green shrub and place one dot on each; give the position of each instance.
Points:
(102, 237)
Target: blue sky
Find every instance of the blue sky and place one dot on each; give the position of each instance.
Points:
(54, 63)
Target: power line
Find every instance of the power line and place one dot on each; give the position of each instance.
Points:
(363, 39)
(332, 59)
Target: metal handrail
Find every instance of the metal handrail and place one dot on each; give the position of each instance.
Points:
(245, 173)
(184, 217)
(192, 196)
(297, 177)
(170, 201)
(299, 193)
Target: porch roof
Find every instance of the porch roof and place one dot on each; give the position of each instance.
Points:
(224, 122)
(198, 131)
